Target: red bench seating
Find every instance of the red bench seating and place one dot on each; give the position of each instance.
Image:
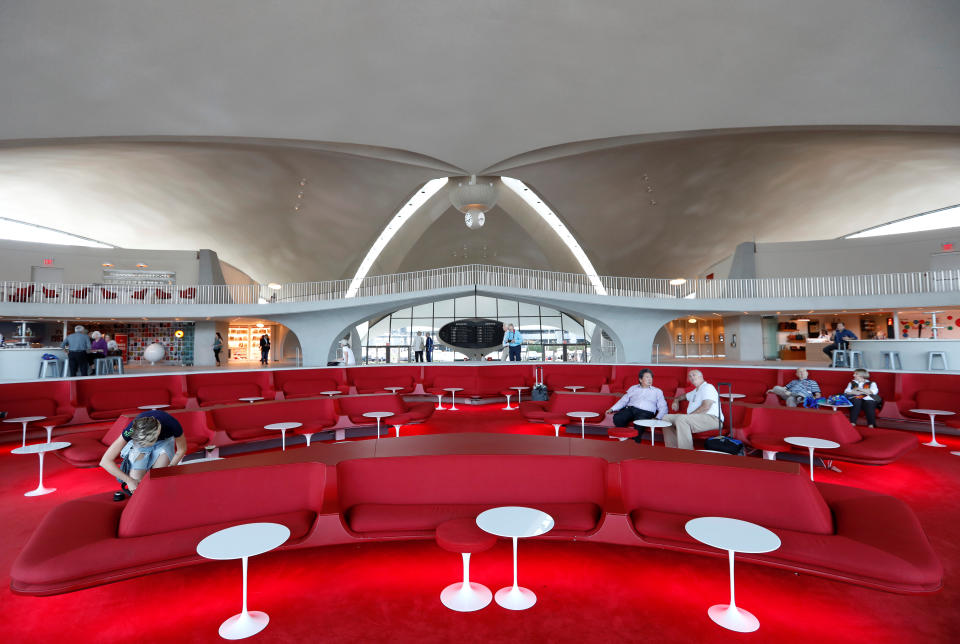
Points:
(560, 403)
(844, 533)
(414, 495)
(50, 399)
(243, 422)
(475, 381)
(95, 540)
(227, 388)
(835, 531)
(308, 383)
(590, 377)
(926, 391)
(668, 379)
(353, 407)
(372, 380)
(86, 451)
(109, 398)
(857, 444)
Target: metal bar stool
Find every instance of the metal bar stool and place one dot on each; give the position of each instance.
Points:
(855, 360)
(49, 368)
(891, 360)
(936, 354)
(102, 367)
(115, 363)
(841, 358)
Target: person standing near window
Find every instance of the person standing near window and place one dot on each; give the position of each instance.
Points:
(418, 347)
(429, 345)
(264, 349)
(77, 344)
(217, 347)
(514, 341)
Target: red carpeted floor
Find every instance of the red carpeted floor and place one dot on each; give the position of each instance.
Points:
(389, 592)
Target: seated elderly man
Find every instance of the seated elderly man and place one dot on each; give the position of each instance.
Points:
(798, 389)
(703, 413)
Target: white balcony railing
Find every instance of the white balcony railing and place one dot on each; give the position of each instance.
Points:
(947, 281)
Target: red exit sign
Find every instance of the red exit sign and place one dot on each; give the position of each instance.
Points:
(47, 262)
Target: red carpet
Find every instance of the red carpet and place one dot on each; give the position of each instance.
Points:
(390, 592)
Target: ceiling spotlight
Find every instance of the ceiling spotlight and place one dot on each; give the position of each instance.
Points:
(678, 281)
(473, 199)
(107, 265)
(259, 325)
(141, 265)
(274, 286)
(303, 182)
(692, 320)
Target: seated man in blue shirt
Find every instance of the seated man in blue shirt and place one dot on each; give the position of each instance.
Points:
(840, 336)
(152, 439)
(642, 401)
(798, 389)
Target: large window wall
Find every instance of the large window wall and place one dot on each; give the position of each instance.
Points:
(549, 334)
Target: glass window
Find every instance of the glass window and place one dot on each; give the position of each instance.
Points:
(466, 307)
(437, 325)
(544, 310)
(402, 313)
(423, 324)
(443, 308)
(507, 310)
(423, 310)
(400, 331)
(552, 332)
(486, 307)
(573, 330)
(362, 329)
(379, 333)
(529, 309)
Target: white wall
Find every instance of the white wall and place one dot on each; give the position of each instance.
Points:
(84, 265)
(886, 254)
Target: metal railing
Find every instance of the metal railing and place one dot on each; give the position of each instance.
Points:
(945, 281)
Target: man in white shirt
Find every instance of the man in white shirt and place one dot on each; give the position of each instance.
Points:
(703, 413)
(417, 347)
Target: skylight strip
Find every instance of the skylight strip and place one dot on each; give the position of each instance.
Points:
(24, 231)
(948, 217)
(534, 201)
(428, 190)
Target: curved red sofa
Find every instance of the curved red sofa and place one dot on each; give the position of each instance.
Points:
(592, 377)
(476, 381)
(226, 388)
(404, 413)
(95, 540)
(372, 380)
(245, 422)
(560, 403)
(835, 531)
(308, 383)
(839, 532)
(109, 398)
(51, 399)
(857, 444)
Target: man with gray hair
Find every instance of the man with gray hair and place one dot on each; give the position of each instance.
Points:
(77, 344)
(798, 389)
(703, 413)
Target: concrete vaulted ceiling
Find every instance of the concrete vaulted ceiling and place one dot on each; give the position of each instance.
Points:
(188, 124)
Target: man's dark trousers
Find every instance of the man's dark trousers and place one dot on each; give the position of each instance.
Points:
(515, 353)
(418, 356)
(626, 416)
(78, 359)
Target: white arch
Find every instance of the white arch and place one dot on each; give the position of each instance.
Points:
(431, 188)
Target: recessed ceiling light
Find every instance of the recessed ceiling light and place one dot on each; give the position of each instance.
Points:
(274, 286)
(107, 265)
(692, 320)
(141, 266)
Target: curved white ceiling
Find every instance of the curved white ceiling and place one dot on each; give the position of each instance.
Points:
(470, 83)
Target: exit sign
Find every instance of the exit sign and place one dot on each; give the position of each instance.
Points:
(47, 262)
